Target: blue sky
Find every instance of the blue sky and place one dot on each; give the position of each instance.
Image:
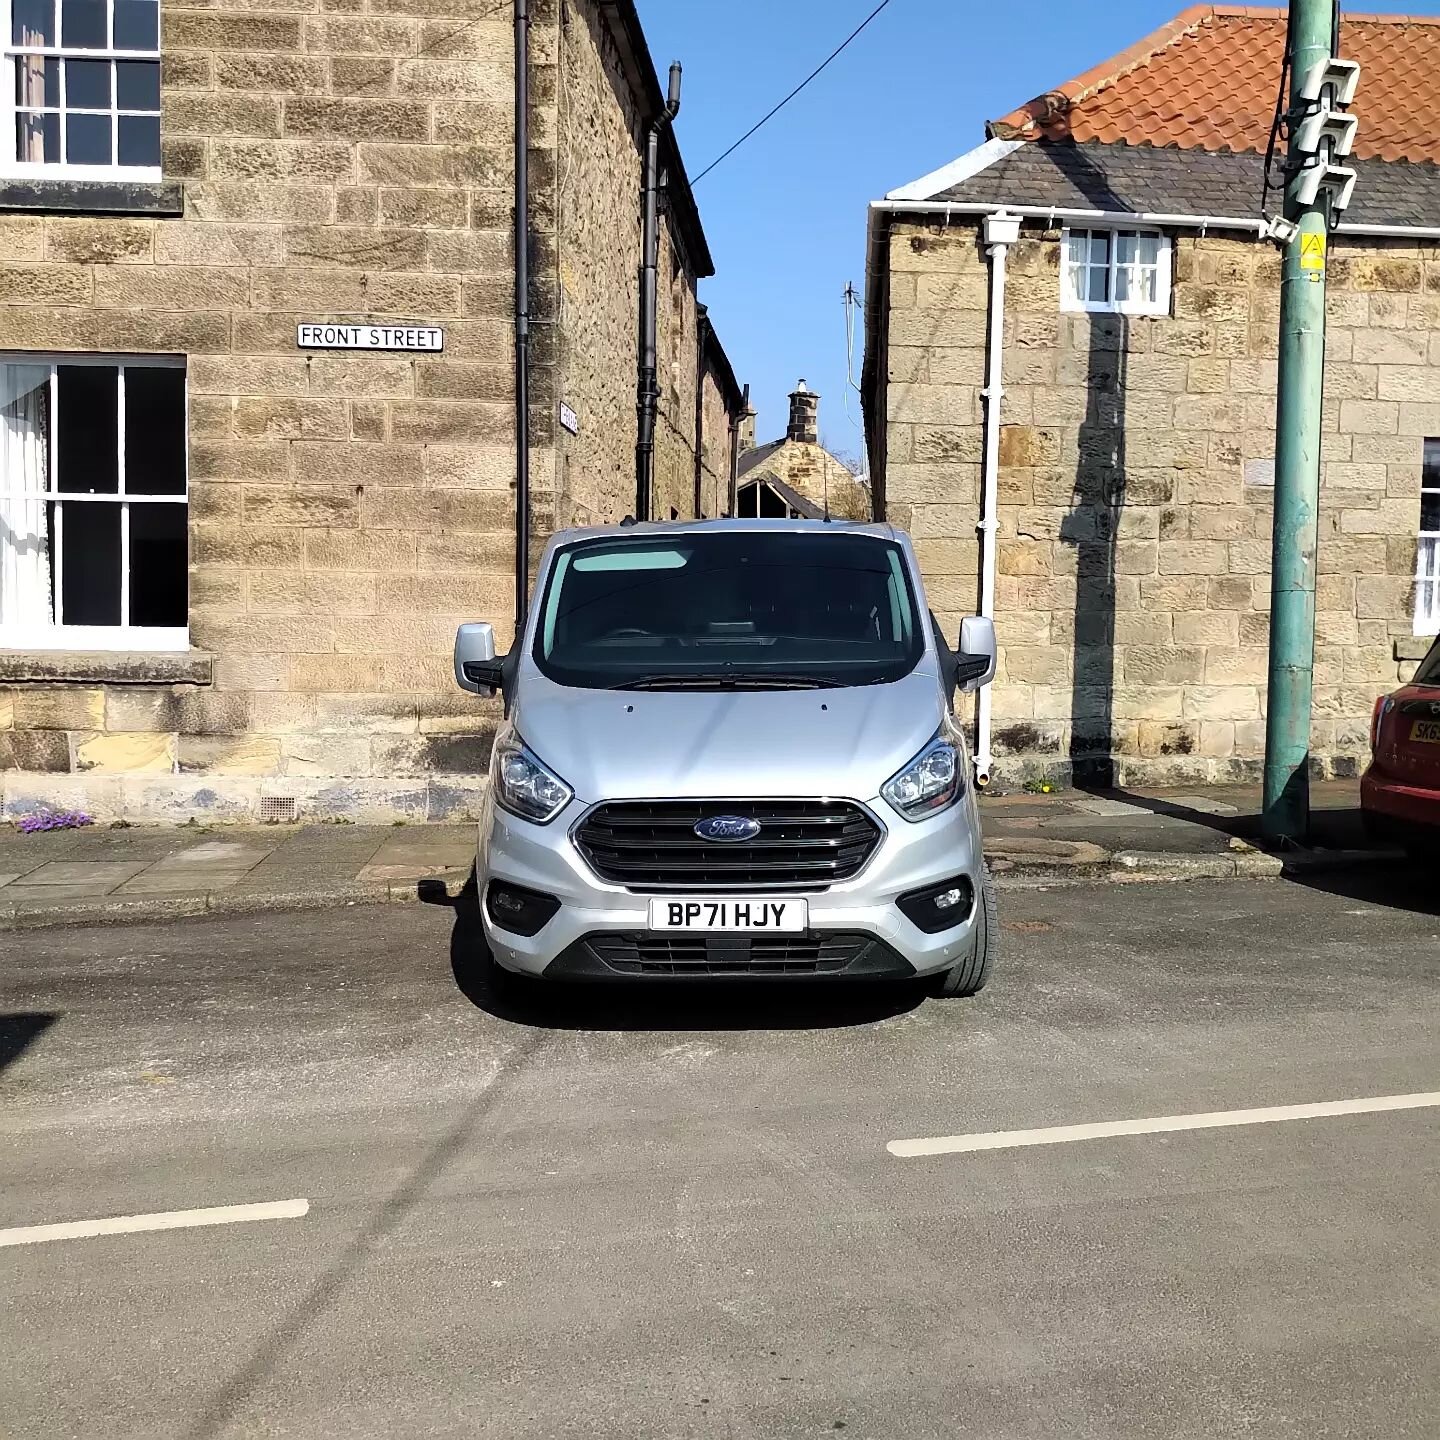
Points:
(785, 215)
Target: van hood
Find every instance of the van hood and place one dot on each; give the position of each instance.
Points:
(654, 744)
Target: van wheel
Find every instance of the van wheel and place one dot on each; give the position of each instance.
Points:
(971, 975)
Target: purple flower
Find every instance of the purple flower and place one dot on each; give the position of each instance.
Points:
(53, 820)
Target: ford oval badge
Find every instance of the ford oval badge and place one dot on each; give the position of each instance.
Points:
(729, 828)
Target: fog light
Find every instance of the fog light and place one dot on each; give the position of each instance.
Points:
(939, 907)
(520, 911)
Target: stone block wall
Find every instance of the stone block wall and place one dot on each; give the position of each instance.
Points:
(1134, 541)
(599, 179)
(715, 444)
(347, 510)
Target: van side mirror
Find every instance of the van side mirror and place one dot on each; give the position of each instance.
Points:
(476, 667)
(979, 654)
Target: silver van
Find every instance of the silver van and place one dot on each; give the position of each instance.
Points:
(730, 750)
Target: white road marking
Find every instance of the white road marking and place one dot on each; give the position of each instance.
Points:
(162, 1220)
(1214, 1120)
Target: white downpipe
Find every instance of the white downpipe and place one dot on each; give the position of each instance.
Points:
(1001, 232)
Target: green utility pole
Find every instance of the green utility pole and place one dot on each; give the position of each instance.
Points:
(1297, 468)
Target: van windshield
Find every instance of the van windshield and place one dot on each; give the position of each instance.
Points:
(729, 610)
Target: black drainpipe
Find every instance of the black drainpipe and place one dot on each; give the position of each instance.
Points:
(522, 313)
(702, 335)
(736, 421)
(648, 387)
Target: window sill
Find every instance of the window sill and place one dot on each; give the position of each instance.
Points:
(94, 197)
(62, 667)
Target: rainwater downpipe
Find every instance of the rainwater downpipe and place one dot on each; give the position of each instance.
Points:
(522, 313)
(647, 397)
(1001, 232)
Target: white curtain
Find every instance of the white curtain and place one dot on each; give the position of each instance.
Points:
(24, 542)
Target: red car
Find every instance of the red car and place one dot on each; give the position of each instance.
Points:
(1400, 794)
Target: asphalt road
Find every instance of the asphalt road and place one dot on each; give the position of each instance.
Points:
(675, 1215)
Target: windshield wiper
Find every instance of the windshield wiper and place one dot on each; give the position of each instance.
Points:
(730, 680)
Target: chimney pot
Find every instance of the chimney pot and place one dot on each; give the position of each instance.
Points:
(804, 424)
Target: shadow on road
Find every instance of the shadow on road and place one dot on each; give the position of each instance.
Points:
(1399, 886)
(659, 1004)
(18, 1032)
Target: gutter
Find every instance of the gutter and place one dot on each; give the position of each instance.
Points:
(946, 208)
(943, 209)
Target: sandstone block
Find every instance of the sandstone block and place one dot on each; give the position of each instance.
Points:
(306, 506)
(1208, 627)
(954, 252)
(320, 463)
(1221, 702)
(181, 242)
(196, 30)
(285, 74)
(45, 284)
(367, 714)
(98, 242)
(347, 245)
(229, 754)
(1175, 593)
(1235, 667)
(1147, 702)
(1419, 418)
(1167, 738)
(22, 237)
(1217, 738)
(1154, 665)
(444, 422)
(334, 35)
(373, 550)
(125, 754)
(32, 709)
(1194, 557)
(325, 755)
(205, 114)
(39, 751)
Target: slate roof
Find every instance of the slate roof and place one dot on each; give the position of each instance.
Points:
(1207, 81)
(1172, 181)
(757, 456)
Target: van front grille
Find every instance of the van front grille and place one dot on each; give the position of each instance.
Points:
(727, 955)
(801, 844)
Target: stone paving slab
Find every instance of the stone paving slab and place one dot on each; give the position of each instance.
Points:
(79, 877)
(97, 877)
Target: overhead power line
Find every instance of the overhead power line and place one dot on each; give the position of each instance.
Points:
(824, 64)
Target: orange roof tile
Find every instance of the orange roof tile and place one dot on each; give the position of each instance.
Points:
(1208, 79)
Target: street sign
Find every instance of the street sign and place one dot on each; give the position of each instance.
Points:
(316, 336)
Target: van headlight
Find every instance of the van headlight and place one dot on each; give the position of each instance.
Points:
(931, 782)
(524, 784)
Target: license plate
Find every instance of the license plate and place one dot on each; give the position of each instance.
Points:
(733, 915)
(1427, 731)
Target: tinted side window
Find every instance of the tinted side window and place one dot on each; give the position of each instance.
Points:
(1429, 671)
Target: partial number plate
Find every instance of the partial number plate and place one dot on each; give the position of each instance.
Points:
(732, 916)
(1427, 731)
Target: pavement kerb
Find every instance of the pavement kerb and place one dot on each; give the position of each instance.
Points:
(1014, 870)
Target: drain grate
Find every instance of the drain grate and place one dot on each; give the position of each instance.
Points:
(278, 809)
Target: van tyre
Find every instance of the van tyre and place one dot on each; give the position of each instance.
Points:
(972, 974)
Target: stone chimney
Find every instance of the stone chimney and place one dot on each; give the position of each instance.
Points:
(804, 416)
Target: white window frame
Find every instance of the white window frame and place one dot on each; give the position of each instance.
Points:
(15, 168)
(124, 636)
(1075, 303)
(1427, 548)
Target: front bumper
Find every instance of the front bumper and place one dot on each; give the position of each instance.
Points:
(909, 857)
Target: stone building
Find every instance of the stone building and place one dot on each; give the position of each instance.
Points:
(796, 476)
(1135, 432)
(232, 551)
